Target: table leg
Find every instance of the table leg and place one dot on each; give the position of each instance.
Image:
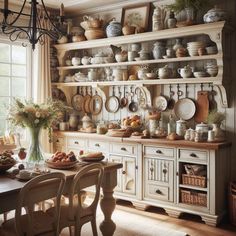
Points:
(108, 203)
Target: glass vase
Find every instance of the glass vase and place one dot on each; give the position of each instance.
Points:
(34, 154)
(219, 133)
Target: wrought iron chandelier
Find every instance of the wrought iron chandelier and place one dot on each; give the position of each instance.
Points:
(35, 28)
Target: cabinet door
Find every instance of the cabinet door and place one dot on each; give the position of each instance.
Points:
(117, 159)
(159, 179)
(129, 175)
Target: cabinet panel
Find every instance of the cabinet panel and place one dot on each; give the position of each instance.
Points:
(123, 149)
(159, 170)
(158, 151)
(129, 175)
(58, 144)
(193, 155)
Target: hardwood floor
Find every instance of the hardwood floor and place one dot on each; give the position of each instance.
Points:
(192, 225)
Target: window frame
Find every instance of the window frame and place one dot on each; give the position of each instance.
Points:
(29, 65)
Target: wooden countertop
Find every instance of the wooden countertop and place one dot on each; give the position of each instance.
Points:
(164, 142)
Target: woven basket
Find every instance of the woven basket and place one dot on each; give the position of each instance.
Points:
(193, 198)
(194, 180)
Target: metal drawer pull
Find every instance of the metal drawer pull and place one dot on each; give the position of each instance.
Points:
(193, 155)
(76, 142)
(123, 172)
(159, 151)
(123, 149)
(97, 145)
(158, 191)
(151, 169)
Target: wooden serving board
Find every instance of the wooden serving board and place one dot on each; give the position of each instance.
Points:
(202, 106)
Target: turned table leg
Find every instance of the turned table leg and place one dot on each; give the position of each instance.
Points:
(108, 203)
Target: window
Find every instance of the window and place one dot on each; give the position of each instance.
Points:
(14, 76)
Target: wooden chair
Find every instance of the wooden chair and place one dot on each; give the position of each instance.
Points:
(33, 223)
(76, 213)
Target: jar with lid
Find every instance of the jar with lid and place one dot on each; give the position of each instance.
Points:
(159, 50)
(171, 21)
(181, 126)
(158, 19)
(73, 121)
(101, 128)
(87, 121)
(202, 129)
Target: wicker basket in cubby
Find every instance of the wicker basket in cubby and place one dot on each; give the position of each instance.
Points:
(194, 180)
(193, 198)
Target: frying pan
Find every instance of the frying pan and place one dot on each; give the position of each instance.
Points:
(123, 100)
(133, 106)
(77, 101)
(112, 102)
(95, 105)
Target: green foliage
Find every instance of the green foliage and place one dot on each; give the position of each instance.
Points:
(180, 5)
(215, 117)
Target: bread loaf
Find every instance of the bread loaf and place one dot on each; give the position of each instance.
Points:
(92, 155)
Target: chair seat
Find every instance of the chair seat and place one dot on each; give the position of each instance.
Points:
(43, 225)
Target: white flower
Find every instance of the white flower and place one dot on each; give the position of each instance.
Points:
(38, 114)
(36, 121)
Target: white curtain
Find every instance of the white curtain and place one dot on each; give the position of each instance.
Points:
(42, 79)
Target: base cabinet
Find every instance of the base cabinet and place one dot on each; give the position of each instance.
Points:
(179, 179)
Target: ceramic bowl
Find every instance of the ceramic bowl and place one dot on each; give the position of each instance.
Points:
(211, 50)
(151, 75)
(121, 57)
(137, 59)
(199, 74)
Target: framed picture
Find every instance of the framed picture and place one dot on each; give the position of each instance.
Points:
(136, 15)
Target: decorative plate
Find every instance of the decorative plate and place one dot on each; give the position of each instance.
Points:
(160, 103)
(61, 165)
(77, 102)
(185, 109)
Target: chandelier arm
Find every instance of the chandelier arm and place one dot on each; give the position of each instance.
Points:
(49, 18)
(17, 17)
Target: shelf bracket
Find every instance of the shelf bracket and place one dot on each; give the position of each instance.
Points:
(223, 97)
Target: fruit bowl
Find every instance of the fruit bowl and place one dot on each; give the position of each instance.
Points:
(61, 165)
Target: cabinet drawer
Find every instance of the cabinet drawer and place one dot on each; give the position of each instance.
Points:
(158, 192)
(76, 143)
(123, 149)
(98, 145)
(158, 151)
(194, 155)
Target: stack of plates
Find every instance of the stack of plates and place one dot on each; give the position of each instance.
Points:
(194, 46)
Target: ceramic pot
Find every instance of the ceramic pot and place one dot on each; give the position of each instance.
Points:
(68, 62)
(219, 133)
(181, 126)
(185, 72)
(164, 72)
(171, 21)
(73, 121)
(215, 14)
(85, 60)
(117, 74)
(158, 19)
(92, 75)
(113, 29)
(178, 44)
(158, 50)
(87, 122)
(75, 61)
(142, 72)
(203, 129)
(98, 58)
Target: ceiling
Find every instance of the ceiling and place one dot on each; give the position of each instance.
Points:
(79, 5)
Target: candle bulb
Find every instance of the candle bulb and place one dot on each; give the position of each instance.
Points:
(62, 10)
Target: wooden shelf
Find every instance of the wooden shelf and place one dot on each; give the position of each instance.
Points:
(145, 37)
(193, 187)
(214, 80)
(153, 61)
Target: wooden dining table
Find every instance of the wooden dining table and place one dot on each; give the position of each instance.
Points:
(10, 188)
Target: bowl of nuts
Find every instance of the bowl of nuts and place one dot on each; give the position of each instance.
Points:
(6, 160)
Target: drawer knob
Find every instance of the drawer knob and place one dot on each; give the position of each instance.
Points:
(193, 155)
(123, 172)
(76, 142)
(123, 149)
(158, 191)
(164, 171)
(159, 151)
(151, 169)
(97, 145)
(57, 141)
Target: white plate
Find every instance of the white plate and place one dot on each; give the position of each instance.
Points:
(160, 103)
(185, 109)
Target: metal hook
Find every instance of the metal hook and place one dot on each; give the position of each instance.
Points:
(201, 86)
